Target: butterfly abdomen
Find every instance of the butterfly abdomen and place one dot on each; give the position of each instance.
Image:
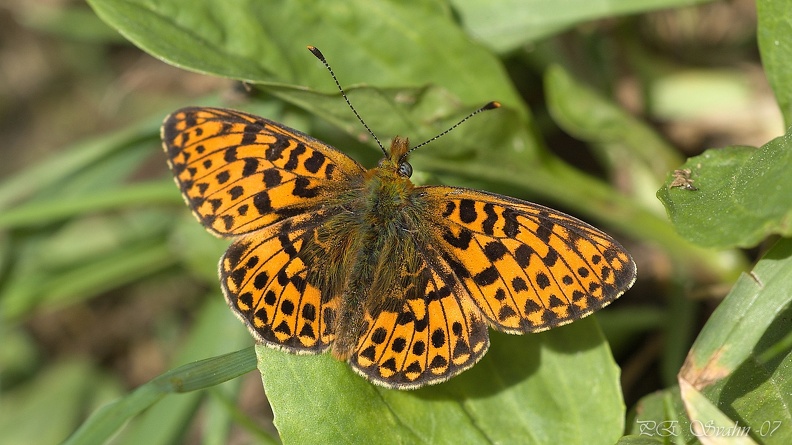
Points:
(379, 251)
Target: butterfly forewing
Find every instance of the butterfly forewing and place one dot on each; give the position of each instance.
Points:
(270, 186)
(528, 268)
(240, 173)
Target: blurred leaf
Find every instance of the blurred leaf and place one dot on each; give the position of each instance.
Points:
(101, 271)
(45, 211)
(622, 325)
(742, 360)
(57, 396)
(196, 249)
(106, 421)
(18, 356)
(742, 195)
(69, 22)
(505, 25)
(775, 46)
(216, 331)
(588, 115)
(689, 94)
(556, 387)
(74, 169)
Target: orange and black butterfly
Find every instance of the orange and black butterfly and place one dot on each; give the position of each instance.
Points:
(401, 281)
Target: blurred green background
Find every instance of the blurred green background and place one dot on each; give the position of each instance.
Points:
(107, 281)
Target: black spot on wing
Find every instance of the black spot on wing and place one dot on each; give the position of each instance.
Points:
(461, 241)
(294, 160)
(488, 224)
(251, 166)
(467, 211)
(315, 162)
(511, 227)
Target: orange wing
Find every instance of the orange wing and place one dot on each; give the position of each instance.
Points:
(268, 285)
(271, 186)
(528, 268)
(434, 336)
(240, 173)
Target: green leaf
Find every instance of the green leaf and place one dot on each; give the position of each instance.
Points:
(707, 421)
(659, 418)
(775, 46)
(265, 42)
(556, 387)
(742, 360)
(741, 195)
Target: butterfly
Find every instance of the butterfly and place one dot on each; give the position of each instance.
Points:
(401, 281)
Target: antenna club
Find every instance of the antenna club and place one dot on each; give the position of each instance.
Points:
(491, 106)
(318, 54)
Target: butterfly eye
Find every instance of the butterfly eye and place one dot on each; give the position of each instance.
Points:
(405, 169)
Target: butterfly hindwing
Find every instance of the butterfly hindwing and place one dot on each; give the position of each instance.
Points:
(265, 281)
(434, 336)
(240, 173)
(528, 268)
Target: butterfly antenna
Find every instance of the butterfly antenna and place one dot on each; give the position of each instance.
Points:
(489, 106)
(318, 54)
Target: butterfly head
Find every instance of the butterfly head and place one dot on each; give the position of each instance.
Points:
(396, 160)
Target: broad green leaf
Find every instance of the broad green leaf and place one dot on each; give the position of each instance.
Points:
(742, 360)
(413, 43)
(494, 136)
(739, 195)
(505, 25)
(440, 74)
(775, 45)
(556, 387)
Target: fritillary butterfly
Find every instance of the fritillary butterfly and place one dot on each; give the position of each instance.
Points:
(400, 281)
